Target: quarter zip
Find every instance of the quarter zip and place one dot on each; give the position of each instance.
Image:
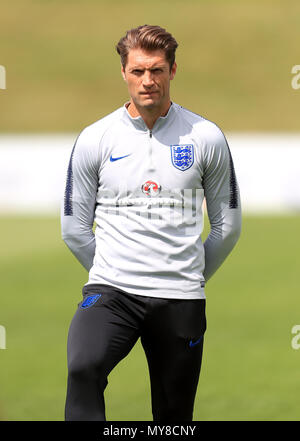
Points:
(151, 165)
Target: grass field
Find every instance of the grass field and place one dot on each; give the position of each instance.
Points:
(234, 61)
(250, 371)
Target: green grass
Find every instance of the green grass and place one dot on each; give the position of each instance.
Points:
(249, 372)
(234, 61)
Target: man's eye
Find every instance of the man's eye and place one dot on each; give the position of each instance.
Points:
(137, 72)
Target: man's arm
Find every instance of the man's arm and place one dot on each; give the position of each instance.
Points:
(223, 203)
(78, 208)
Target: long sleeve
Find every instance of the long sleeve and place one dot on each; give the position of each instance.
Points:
(78, 205)
(223, 204)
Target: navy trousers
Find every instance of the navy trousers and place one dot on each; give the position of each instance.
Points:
(106, 326)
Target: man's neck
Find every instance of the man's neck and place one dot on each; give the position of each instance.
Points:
(149, 115)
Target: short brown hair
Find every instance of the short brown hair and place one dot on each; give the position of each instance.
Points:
(148, 38)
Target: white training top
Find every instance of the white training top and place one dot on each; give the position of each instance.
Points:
(144, 189)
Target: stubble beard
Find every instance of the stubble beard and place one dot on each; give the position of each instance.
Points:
(152, 106)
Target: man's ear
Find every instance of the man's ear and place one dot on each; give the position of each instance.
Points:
(173, 71)
(123, 73)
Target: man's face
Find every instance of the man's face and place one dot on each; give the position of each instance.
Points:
(148, 76)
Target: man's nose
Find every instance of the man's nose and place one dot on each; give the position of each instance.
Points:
(148, 79)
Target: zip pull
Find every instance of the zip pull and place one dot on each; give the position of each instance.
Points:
(151, 165)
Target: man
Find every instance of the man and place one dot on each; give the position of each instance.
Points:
(142, 173)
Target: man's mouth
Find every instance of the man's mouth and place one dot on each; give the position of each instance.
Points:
(148, 93)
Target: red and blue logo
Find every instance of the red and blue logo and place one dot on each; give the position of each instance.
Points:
(151, 188)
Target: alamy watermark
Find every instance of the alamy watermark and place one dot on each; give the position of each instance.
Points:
(2, 77)
(296, 339)
(179, 208)
(2, 337)
(296, 77)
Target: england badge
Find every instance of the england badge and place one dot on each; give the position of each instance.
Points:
(182, 156)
